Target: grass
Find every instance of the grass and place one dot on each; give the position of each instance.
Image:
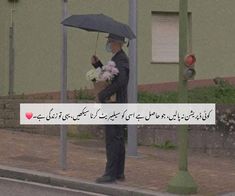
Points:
(83, 94)
(79, 136)
(221, 93)
(167, 145)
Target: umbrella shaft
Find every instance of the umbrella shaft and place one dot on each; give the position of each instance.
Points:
(96, 42)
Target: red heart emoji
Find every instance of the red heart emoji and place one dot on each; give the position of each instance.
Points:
(29, 115)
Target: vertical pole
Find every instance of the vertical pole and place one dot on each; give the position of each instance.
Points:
(63, 93)
(11, 54)
(183, 182)
(183, 84)
(133, 83)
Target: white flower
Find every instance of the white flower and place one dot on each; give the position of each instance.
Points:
(107, 72)
(112, 64)
(114, 71)
(106, 76)
(107, 68)
(93, 74)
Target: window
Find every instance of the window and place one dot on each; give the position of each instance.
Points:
(165, 37)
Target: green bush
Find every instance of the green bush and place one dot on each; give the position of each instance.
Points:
(220, 93)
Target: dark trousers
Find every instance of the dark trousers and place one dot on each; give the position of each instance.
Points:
(115, 150)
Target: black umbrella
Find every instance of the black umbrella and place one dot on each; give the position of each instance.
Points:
(99, 23)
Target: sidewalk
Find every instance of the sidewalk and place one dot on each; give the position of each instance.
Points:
(152, 170)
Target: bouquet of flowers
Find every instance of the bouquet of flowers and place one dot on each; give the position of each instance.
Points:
(101, 77)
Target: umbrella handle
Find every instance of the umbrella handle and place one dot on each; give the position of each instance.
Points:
(96, 42)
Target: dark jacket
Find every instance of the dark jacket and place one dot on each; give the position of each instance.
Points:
(119, 82)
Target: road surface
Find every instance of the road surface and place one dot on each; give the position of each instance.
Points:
(12, 187)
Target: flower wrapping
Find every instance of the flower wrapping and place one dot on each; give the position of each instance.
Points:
(99, 86)
(102, 77)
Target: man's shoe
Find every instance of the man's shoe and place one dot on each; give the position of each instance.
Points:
(105, 179)
(121, 177)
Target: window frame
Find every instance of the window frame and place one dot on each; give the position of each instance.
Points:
(189, 35)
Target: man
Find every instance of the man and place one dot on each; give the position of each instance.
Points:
(114, 134)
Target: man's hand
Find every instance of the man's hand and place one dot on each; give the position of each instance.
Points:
(94, 60)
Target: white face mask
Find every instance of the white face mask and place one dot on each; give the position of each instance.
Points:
(108, 47)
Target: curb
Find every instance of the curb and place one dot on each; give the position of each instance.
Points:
(68, 182)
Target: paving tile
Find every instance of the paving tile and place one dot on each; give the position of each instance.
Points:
(152, 170)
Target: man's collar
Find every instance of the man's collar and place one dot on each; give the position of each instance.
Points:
(117, 52)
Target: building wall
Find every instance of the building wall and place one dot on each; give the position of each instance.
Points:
(38, 42)
(212, 40)
(147, 72)
(213, 37)
(3, 48)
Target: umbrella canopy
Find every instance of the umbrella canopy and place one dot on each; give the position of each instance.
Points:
(99, 23)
